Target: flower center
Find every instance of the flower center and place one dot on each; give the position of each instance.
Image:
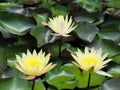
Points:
(90, 60)
(32, 62)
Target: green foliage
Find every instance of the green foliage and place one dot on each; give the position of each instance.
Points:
(114, 3)
(41, 33)
(112, 84)
(39, 85)
(116, 59)
(6, 5)
(82, 77)
(21, 28)
(86, 31)
(14, 23)
(14, 84)
(115, 71)
(107, 46)
(60, 10)
(61, 79)
(90, 5)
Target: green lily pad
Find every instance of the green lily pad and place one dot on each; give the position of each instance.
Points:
(82, 77)
(107, 46)
(112, 84)
(14, 23)
(12, 73)
(116, 59)
(14, 84)
(109, 35)
(86, 31)
(90, 5)
(60, 10)
(6, 5)
(61, 79)
(115, 71)
(41, 33)
(39, 85)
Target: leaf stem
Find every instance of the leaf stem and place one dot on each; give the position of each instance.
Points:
(60, 45)
(33, 84)
(89, 78)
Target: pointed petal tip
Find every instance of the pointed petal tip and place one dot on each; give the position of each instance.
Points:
(103, 73)
(44, 23)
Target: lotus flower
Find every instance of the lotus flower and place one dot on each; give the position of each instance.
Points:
(91, 61)
(60, 25)
(34, 64)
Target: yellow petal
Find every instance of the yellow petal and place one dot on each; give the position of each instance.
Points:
(21, 69)
(30, 77)
(76, 64)
(34, 64)
(86, 50)
(45, 69)
(88, 59)
(60, 25)
(44, 23)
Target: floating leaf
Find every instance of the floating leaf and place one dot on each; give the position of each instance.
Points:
(96, 79)
(6, 5)
(90, 5)
(86, 31)
(89, 17)
(108, 46)
(39, 85)
(42, 35)
(60, 10)
(113, 3)
(14, 84)
(115, 71)
(111, 24)
(82, 77)
(40, 18)
(110, 35)
(12, 73)
(54, 49)
(112, 84)
(14, 23)
(116, 59)
(40, 32)
(61, 79)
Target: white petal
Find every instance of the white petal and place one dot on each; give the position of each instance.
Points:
(34, 52)
(28, 53)
(106, 61)
(55, 34)
(30, 77)
(103, 73)
(44, 23)
(76, 58)
(86, 51)
(104, 56)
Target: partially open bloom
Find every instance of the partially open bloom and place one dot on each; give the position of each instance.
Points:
(34, 64)
(60, 25)
(91, 61)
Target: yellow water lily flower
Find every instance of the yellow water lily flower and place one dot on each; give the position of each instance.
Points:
(91, 61)
(60, 25)
(34, 64)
